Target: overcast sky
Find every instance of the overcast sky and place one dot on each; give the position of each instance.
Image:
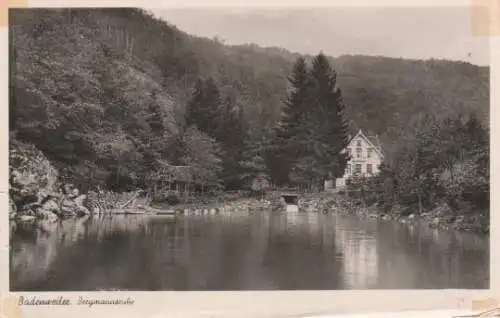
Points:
(442, 33)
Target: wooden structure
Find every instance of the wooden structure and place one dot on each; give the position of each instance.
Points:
(171, 178)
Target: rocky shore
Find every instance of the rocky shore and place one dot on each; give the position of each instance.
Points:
(236, 205)
(50, 205)
(37, 192)
(53, 206)
(442, 217)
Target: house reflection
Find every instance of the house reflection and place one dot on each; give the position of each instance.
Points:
(359, 254)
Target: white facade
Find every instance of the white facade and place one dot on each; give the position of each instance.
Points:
(365, 159)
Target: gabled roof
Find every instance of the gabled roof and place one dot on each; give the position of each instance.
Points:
(373, 141)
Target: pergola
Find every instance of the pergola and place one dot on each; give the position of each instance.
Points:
(171, 177)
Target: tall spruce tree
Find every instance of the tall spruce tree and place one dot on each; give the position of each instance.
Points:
(231, 135)
(325, 126)
(323, 129)
(290, 133)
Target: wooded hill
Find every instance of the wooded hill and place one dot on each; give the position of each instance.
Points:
(103, 92)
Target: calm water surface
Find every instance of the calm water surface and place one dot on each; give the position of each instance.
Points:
(244, 250)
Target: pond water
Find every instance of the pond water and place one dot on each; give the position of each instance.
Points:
(259, 250)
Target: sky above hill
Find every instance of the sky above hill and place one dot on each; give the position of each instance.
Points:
(416, 33)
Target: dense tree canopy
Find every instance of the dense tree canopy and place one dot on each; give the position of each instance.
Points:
(107, 94)
(313, 133)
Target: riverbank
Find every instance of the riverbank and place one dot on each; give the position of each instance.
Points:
(38, 191)
(215, 206)
(55, 206)
(69, 203)
(442, 217)
(215, 203)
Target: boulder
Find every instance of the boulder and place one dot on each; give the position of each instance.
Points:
(28, 209)
(25, 218)
(68, 208)
(46, 214)
(80, 206)
(51, 205)
(32, 178)
(81, 211)
(387, 217)
(74, 193)
(435, 222)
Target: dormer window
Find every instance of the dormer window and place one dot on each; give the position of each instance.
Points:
(358, 143)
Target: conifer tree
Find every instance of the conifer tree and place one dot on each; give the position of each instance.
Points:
(231, 135)
(290, 136)
(326, 126)
(252, 164)
(295, 105)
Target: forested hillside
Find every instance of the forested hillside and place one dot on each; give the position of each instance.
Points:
(103, 92)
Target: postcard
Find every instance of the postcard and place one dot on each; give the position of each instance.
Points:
(249, 160)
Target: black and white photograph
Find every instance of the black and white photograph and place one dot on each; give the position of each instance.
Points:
(248, 149)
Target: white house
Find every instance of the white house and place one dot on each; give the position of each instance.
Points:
(365, 158)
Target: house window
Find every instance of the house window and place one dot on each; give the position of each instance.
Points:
(358, 143)
(369, 154)
(348, 169)
(357, 169)
(358, 152)
(369, 168)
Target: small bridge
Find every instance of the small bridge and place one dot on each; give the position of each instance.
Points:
(291, 198)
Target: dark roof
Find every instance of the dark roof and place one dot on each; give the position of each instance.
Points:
(373, 139)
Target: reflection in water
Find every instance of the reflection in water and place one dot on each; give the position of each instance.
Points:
(360, 255)
(243, 250)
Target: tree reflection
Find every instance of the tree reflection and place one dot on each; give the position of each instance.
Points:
(243, 250)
